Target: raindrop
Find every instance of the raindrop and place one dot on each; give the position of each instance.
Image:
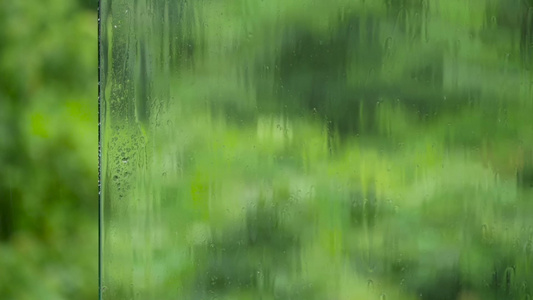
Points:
(484, 231)
(509, 277)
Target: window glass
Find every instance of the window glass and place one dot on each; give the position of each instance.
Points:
(305, 149)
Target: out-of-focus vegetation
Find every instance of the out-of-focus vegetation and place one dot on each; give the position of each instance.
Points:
(48, 156)
(302, 149)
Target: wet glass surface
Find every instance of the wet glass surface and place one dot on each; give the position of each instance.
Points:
(305, 149)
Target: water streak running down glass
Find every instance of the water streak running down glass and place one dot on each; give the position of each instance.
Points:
(306, 149)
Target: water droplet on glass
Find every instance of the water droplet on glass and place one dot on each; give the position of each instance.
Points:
(370, 284)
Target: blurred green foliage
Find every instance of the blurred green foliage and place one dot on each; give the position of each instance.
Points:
(300, 149)
(48, 156)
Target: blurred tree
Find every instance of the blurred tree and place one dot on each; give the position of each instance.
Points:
(48, 169)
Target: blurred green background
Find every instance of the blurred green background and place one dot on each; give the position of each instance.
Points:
(48, 149)
(48, 170)
(318, 150)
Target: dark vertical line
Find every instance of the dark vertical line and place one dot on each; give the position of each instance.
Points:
(100, 206)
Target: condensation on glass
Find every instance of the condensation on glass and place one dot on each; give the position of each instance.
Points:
(306, 149)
